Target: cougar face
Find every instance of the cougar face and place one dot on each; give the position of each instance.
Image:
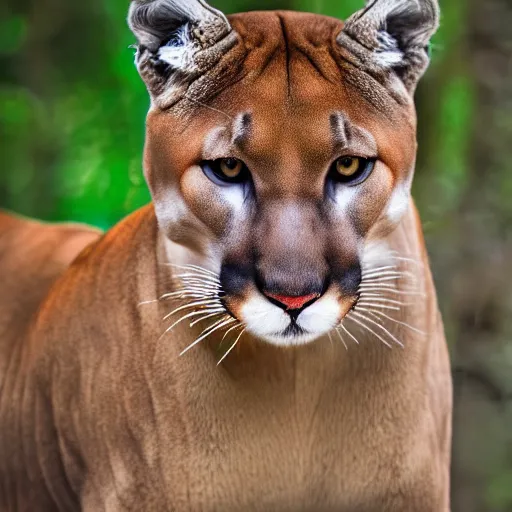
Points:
(280, 149)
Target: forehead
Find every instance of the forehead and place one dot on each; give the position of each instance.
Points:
(286, 59)
(291, 76)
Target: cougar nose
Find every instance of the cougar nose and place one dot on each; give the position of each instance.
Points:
(292, 303)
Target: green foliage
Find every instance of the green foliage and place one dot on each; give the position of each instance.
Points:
(234, 6)
(334, 8)
(13, 33)
(84, 105)
(499, 493)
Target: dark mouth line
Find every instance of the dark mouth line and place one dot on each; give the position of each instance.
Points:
(292, 330)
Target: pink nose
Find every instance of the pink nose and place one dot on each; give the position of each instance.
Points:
(293, 303)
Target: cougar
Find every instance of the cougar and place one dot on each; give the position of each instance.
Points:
(265, 336)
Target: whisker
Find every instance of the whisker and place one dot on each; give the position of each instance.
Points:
(202, 281)
(408, 260)
(393, 290)
(342, 339)
(224, 318)
(394, 338)
(207, 282)
(376, 314)
(186, 288)
(185, 294)
(225, 323)
(146, 302)
(211, 302)
(231, 330)
(182, 293)
(381, 279)
(196, 279)
(231, 348)
(192, 315)
(196, 268)
(199, 320)
(379, 269)
(385, 273)
(373, 298)
(212, 292)
(199, 283)
(385, 285)
(388, 276)
(190, 289)
(199, 277)
(197, 291)
(391, 308)
(349, 333)
(195, 297)
(369, 330)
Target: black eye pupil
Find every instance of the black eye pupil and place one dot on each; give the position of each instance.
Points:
(347, 162)
(231, 163)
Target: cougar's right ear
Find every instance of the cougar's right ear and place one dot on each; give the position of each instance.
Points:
(178, 40)
(395, 35)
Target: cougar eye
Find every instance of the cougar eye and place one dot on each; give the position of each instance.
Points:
(231, 168)
(348, 166)
(352, 170)
(227, 170)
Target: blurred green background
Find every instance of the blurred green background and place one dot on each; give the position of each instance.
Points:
(72, 114)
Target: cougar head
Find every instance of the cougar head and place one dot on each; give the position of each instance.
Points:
(280, 147)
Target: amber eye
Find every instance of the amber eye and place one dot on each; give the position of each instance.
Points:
(231, 167)
(226, 171)
(348, 166)
(351, 170)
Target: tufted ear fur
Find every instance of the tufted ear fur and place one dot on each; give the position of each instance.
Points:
(178, 40)
(397, 33)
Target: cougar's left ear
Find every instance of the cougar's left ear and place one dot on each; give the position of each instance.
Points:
(178, 40)
(397, 33)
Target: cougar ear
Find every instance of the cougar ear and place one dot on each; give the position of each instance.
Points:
(398, 34)
(177, 41)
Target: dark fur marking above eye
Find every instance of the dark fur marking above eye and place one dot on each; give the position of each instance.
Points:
(340, 129)
(242, 129)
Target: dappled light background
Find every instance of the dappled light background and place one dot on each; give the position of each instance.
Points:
(72, 114)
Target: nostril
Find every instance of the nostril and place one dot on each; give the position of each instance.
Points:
(293, 303)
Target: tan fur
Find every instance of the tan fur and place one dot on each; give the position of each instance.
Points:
(98, 411)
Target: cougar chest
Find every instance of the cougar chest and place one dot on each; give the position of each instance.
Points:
(301, 436)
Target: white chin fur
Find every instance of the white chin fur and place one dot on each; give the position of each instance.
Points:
(321, 317)
(269, 322)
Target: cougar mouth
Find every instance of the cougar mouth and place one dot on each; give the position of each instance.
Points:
(293, 332)
(271, 323)
(239, 305)
(234, 305)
